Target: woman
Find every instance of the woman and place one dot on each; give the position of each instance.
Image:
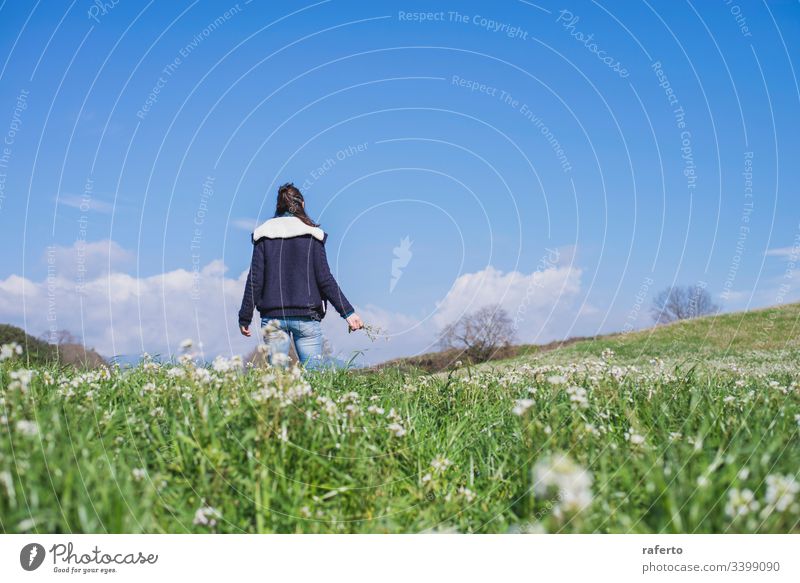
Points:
(290, 283)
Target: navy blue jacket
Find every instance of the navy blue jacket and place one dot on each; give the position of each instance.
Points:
(289, 273)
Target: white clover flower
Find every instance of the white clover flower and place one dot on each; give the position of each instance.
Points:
(634, 438)
(207, 516)
(139, 474)
(375, 409)
(467, 494)
(607, 354)
(202, 376)
(578, 396)
(741, 503)
(743, 474)
(781, 491)
(10, 350)
(176, 373)
(521, 406)
(396, 429)
(557, 380)
(280, 359)
(27, 428)
(440, 464)
(571, 481)
(20, 379)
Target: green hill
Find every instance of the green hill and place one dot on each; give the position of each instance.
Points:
(770, 333)
(38, 351)
(773, 330)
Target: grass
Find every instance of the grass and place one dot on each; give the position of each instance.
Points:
(702, 439)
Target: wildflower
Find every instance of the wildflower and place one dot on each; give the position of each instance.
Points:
(139, 474)
(440, 464)
(781, 491)
(207, 516)
(187, 345)
(20, 379)
(740, 503)
(557, 380)
(521, 406)
(9, 351)
(375, 409)
(202, 376)
(702, 481)
(577, 395)
(28, 428)
(571, 481)
(607, 354)
(280, 359)
(468, 494)
(743, 474)
(396, 429)
(634, 438)
(176, 373)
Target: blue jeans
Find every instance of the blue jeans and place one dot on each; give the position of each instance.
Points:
(305, 332)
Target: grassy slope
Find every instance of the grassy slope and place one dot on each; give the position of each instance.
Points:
(770, 333)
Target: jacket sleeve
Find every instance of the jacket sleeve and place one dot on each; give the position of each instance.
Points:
(329, 289)
(253, 285)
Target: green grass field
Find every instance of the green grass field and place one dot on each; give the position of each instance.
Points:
(685, 428)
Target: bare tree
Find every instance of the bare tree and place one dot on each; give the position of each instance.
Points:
(479, 333)
(682, 303)
(59, 337)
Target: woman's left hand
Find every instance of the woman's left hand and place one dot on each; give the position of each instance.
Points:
(355, 323)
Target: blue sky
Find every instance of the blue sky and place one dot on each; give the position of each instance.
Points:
(529, 151)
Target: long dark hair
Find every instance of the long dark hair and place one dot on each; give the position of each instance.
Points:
(290, 200)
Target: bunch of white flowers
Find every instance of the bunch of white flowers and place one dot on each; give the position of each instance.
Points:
(20, 379)
(577, 395)
(10, 350)
(741, 503)
(207, 516)
(521, 406)
(572, 483)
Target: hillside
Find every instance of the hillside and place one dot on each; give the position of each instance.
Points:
(770, 331)
(38, 351)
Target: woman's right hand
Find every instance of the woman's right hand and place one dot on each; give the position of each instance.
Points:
(355, 323)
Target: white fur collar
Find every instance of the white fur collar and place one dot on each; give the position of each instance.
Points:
(286, 227)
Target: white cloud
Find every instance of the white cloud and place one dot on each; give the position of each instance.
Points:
(248, 225)
(121, 314)
(536, 302)
(88, 259)
(786, 253)
(85, 204)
